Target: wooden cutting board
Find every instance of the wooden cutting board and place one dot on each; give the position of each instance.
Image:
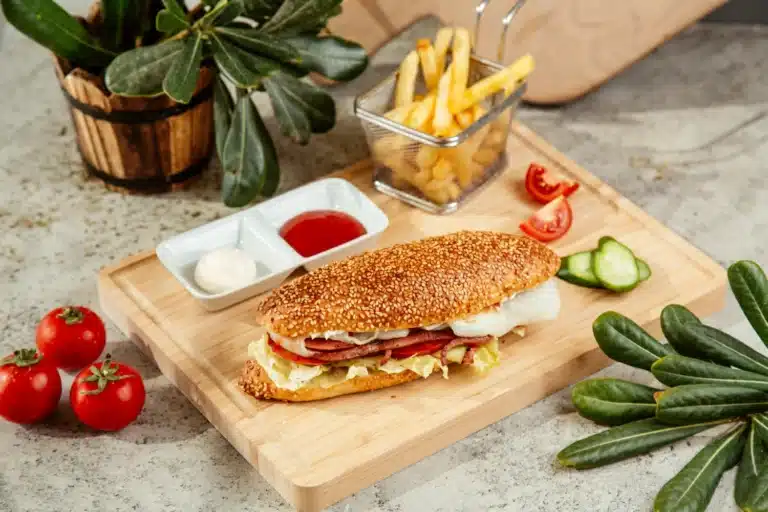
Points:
(578, 44)
(317, 453)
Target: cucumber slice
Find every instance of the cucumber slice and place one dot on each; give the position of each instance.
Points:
(644, 271)
(615, 266)
(577, 269)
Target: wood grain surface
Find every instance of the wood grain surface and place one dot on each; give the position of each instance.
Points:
(317, 453)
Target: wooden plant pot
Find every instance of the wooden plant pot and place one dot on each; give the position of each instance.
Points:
(139, 145)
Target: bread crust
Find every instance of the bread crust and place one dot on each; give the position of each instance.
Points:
(430, 281)
(255, 381)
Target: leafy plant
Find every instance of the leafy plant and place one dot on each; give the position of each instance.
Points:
(149, 48)
(715, 379)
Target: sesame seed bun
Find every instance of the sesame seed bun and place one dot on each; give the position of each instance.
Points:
(430, 281)
(255, 381)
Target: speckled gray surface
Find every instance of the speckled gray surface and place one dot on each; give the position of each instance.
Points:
(682, 133)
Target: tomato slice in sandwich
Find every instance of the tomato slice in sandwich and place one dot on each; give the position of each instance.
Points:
(543, 187)
(419, 349)
(550, 222)
(296, 358)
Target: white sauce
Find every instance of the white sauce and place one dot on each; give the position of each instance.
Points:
(535, 305)
(225, 269)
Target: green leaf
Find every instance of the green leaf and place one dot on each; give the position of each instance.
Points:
(626, 342)
(261, 10)
(222, 114)
(673, 317)
(760, 424)
(244, 69)
(613, 401)
(619, 443)
(700, 403)
(752, 458)
(249, 157)
(224, 12)
(333, 57)
(264, 44)
(172, 19)
(297, 16)
(692, 488)
(750, 286)
(121, 21)
(140, 72)
(757, 499)
(181, 80)
(675, 370)
(704, 342)
(293, 121)
(317, 105)
(45, 22)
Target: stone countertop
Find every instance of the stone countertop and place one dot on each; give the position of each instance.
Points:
(682, 133)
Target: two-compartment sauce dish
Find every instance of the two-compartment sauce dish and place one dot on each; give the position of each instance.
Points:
(250, 252)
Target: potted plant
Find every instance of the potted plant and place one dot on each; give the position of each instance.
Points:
(149, 82)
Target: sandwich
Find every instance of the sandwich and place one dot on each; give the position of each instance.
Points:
(399, 314)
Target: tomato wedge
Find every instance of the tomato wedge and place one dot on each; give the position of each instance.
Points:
(543, 188)
(296, 358)
(550, 222)
(419, 349)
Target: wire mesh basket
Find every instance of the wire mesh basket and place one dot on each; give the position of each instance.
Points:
(437, 174)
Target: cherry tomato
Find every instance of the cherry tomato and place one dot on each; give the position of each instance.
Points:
(543, 188)
(107, 395)
(550, 222)
(71, 337)
(296, 358)
(428, 347)
(30, 387)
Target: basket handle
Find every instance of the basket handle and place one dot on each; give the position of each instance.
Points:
(480, 9)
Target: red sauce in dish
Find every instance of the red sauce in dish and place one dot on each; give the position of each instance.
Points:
(318, 231)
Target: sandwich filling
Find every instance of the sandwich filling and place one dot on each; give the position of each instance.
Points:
(329, 358)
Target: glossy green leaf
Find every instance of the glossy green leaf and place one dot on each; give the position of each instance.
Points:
(259, 42)
(121, 21)
(757, 499)
(224, 12)
(625, 441)
(708, 343)
(752, 459)
(172, 19)
(700, 403)
(750, 286)
(613, 401)
(45, 22)
(244, 69)
(140, 72)
(673, 317)
(223, 108)
(333, 57)
(181, 80)
(297, 16)
(261, 10)
(626, 342)
(249, 159)
(760, 424)
(676, 370)
(317, 105)
(293, 120)
(692, 488)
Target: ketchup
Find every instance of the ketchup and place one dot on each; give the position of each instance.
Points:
(317, 231)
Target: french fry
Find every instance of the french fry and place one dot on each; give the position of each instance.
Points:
(464, 157)
(437, 191)
(454, 191)
(421, 178)
(441, 122)
(478, 111)
(490, 85)
(406, 80)
(400, 114)
(453, 129)
(442, 43)
(426, 156)
(486, 156)
(421, 115)
(495, 139)
(461, 49)
(443, 169)
(428, 62)
(465, 118)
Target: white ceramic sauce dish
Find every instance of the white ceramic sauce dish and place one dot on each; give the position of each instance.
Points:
(255, 231)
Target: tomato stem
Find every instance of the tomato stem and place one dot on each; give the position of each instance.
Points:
(103, 376)
(71, 315)
(22, 358)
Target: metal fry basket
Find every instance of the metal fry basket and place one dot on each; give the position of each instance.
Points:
(438, 174)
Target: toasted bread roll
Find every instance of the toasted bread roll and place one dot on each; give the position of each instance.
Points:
(426, 282)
